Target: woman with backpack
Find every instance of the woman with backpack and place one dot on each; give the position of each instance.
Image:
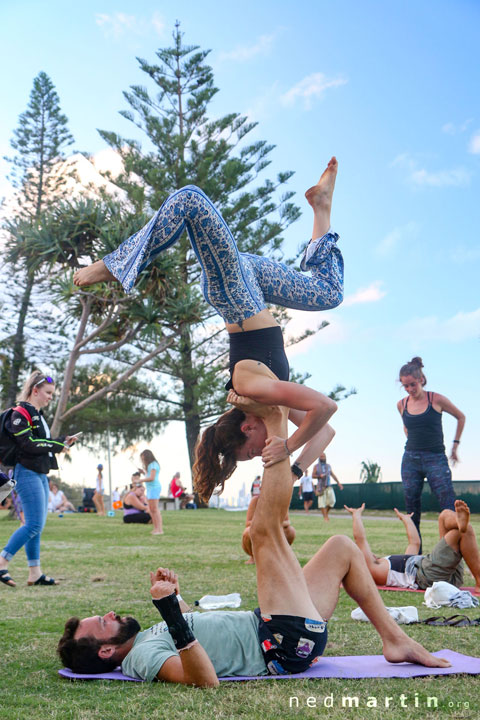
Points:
(35, 457)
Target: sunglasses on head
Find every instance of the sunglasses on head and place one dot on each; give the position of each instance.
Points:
(46, 379)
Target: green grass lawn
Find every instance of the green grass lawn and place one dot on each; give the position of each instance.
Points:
(103, 565)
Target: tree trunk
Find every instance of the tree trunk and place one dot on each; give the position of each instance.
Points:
(19, 341)
(190, 408)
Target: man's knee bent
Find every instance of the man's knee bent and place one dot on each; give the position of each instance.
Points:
(341, 544)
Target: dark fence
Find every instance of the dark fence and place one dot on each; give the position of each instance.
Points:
(386, 496)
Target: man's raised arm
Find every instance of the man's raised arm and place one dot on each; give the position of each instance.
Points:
(192, 666)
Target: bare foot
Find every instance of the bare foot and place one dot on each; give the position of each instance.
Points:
(98, 272)
(462, 512)
(249, 406)
(250, 561)
(320, 195)
(402, 516)
(407, 650)
(158, 533)
(355, 510)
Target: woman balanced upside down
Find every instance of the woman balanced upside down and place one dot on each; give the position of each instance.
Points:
(239, 286)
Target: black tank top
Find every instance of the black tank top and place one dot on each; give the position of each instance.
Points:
(424, 430)
(265, 345)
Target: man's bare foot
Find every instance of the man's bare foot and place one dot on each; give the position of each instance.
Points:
(98, 272)
(252, 407)
(407, 650)
(250, 561)
(320, 195)
(462, 511)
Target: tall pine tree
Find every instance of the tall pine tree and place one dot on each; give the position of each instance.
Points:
(39, 141)
(188, 147)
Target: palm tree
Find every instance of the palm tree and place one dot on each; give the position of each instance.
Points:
(370, 472)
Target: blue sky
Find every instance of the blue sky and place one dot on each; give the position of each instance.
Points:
(390, 88)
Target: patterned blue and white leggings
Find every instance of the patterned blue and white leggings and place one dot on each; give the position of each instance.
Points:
(238, 285)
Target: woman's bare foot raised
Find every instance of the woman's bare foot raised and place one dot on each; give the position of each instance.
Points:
(320, 198)
(98, 272)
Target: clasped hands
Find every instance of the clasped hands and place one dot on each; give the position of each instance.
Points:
(163, 582)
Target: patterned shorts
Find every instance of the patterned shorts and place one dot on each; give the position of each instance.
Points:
(290, 644)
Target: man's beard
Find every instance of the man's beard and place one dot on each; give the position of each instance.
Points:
(129, 627)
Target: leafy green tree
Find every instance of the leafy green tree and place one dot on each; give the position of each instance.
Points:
(39, 141)
(100, 322)
(188, 147)
(370, 472)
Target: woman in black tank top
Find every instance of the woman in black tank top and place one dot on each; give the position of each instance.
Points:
(424, 455)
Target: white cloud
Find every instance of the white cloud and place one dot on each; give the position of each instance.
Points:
(300, 321)
(372, 293)
(419, 176)
(474, 146)
(246, 52)
(456, 177)
(399, 235)
(310, 88)
(452, 129)
(449, 128)
(462, 254)
(119, 24)
(459, 327)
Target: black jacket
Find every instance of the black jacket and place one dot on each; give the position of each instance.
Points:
(34, 450)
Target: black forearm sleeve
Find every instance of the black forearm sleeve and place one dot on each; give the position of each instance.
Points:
(169, 609)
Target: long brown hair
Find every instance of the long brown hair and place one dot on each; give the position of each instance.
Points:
(413, 368)
(147, 457)
(215, 453)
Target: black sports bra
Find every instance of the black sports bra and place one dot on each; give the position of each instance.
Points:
(265, 345)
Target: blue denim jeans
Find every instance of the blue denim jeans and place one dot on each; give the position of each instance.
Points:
(32, 488)
(238, 285)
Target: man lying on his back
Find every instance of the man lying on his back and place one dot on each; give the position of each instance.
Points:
(286, 635)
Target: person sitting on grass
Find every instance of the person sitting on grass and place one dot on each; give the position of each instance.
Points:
(57, 500)
(286, 634)
(135, 505)
(411, 570)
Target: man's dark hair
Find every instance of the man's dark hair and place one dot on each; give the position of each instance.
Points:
(81, 655)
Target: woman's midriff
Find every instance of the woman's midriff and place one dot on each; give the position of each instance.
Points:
(261, 320)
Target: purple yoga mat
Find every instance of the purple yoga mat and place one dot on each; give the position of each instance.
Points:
(350, 666)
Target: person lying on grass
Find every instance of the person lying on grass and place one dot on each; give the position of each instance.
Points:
(411, 570)
(287, 634)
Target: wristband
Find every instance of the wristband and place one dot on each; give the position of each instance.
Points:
(286, 448)
(457, 441)
(169, 609)
(297, 470)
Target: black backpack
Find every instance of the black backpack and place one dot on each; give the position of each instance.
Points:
(8, 446)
